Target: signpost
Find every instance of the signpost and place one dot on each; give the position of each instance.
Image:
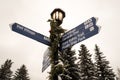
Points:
(70, 38)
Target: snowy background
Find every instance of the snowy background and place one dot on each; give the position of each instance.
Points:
(34, 15)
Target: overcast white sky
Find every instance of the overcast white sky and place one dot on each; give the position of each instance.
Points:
(34, 14)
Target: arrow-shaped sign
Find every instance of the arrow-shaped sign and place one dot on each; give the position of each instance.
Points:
(79, 33)
(79, 37)
(30, 33)
(80, 28)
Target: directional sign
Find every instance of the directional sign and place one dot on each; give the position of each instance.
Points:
(46, 60)
(80, 33)
(82, 27)
(30, 33)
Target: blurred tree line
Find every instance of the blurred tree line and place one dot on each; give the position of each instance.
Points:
(70, 67)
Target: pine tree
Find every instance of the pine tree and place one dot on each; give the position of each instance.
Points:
(5, 71)
(103, 70)
(21, 74)
(85, 64)
(118, 74)
(70, 71)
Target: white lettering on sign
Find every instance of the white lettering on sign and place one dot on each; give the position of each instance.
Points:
(88, 21)
(29, 31)
(67, 37)
(65, 45)
(26, 30)
(88, 25)
(76, 32)
(20, 27)
(80, 39)
(72, 31)
(80, 35)
(72, 39)
(46, 38)
(70, 34)
(92, 28)
(77, 38)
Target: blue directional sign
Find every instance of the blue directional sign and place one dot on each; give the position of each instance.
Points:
(79, 33)
(30, 33)
(80, 28)
(46, 60)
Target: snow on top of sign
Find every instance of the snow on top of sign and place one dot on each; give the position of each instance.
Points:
(99, 28)
(96, 18)
(10, 25)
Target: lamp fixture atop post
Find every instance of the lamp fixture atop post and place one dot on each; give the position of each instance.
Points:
(58, 15)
